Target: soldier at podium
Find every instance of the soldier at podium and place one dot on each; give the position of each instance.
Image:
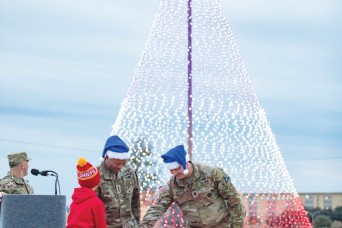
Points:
(14, 182)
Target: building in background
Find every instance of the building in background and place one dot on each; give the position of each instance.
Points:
(322, 200)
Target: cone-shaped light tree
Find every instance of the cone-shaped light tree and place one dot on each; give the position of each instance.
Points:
(191, 87)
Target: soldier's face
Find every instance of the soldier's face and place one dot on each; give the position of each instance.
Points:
(24, 167)
(178, 173)
(114, 165)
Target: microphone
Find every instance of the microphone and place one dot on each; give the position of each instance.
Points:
(36, 172)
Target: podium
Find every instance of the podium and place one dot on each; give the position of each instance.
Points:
(33, 211)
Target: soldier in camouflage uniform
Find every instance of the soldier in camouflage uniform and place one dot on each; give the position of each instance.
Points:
(14, 183)
(205, 194)
(119, 186)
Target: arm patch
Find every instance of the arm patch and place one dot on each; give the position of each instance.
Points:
(161, 190)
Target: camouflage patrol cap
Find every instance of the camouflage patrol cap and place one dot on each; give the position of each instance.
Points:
(15, 158)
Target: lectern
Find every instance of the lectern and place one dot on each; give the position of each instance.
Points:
(33, 211)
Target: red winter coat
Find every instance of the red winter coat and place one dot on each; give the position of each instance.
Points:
(86, 210)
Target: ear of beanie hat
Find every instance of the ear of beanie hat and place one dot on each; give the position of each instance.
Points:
(116, 148)
(87, 174)
(175, 157)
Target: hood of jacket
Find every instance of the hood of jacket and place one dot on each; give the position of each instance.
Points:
(82, 194)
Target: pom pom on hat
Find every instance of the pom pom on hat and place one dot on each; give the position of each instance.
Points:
(82, 162)
(87, 174)
(116, 148)
(176, 157)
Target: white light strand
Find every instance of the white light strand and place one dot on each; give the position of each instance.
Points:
(230, 128)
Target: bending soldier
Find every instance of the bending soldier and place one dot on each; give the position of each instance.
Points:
(205, 194)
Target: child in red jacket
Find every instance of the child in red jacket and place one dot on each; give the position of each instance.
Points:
(86, 210)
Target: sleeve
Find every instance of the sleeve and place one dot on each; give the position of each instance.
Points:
(100, 215)
(6, 186)
(99, 191)
(228, 192)
(163, 202)
(136, 199)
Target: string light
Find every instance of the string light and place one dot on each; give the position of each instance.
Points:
(229, 126)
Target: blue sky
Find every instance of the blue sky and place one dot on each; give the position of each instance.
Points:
(65, 67)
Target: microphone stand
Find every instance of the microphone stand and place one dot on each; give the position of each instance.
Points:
(53, 173)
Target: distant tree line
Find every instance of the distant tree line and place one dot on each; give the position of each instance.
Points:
(324, 218)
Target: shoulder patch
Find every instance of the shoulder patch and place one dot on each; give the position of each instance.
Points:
(226, 179)
(161, 189)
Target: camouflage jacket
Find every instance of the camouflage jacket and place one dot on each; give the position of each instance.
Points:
(13, 185)
(120, 196)
(207, 199)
